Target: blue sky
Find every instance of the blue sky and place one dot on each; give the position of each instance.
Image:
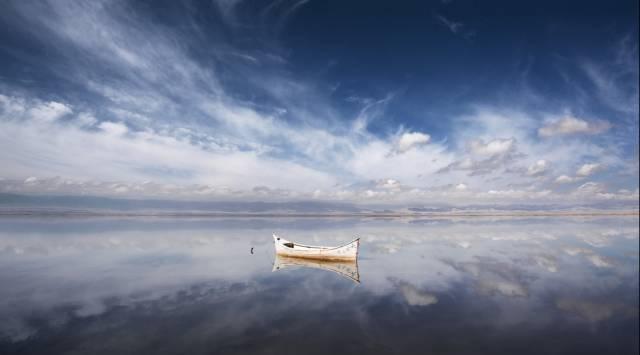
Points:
(446, 101)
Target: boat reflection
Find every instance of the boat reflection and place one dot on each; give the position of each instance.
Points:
(348, 269)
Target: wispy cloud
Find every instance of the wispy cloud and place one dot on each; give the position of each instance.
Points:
(571, 125)
(454, 27)
(151, 117)
(457, 28)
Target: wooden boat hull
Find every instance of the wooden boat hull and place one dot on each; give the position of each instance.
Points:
(348, 251)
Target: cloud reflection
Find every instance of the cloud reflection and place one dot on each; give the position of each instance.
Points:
(62, 273)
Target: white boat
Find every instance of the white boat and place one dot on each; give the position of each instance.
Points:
(285, 247)
(346, 268)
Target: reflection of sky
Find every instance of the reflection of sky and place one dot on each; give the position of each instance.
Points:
(87, 280)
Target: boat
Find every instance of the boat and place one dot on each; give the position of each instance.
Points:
(346, 268)
(285, 247)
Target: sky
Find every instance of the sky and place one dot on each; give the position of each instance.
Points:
(458, 102)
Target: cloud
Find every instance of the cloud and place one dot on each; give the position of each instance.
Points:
(569, 125)
(457, 28)
(591, 311)
(485, 157)
(114, 152)
(411, 140)
(227, 8)
(589, 169)
(113, 128)
(454, 27)
(373, 160)
(549, 262)
(49, 111)
(590, 188)
(492, 278)
(413, 295)
(599, 191)
(565, 179)
(599, 261)
(19, 109)
(492, 148)
(185, 163)
(616, 81)
(388, 184)
(85, 119)
(514, 194)
(584, 171)
(538, 168)
(153, 113)
(461, 187)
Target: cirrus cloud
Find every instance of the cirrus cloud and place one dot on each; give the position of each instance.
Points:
(569, 125)
(155, 113)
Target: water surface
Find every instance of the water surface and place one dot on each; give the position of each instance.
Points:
(440, 286)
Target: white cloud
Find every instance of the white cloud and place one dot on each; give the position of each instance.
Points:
(86, 120)
(484, 158)
(49, 111)
(493, 147)
(415, 296)
(538, 168)
(371, 160)
(108, 154)
(113, 128)
(388, 184)
(565, 179)
(584, 171)
(599, 261)
(516, 194)
(169, 120)
(11, 107)
(590, 188)
(411, 140)
(186, 163)
(588, 169)
(571, 125)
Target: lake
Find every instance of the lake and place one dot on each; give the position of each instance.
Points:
(420, 286)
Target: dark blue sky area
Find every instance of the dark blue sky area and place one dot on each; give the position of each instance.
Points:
(376, 46)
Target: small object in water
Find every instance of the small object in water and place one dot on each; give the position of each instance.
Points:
(251, 250)
(348, 251)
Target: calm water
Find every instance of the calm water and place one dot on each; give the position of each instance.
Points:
(189, 286)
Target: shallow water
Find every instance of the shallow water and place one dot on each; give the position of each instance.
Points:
(192, 286)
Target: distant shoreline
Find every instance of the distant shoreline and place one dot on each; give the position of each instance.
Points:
(201, 214)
